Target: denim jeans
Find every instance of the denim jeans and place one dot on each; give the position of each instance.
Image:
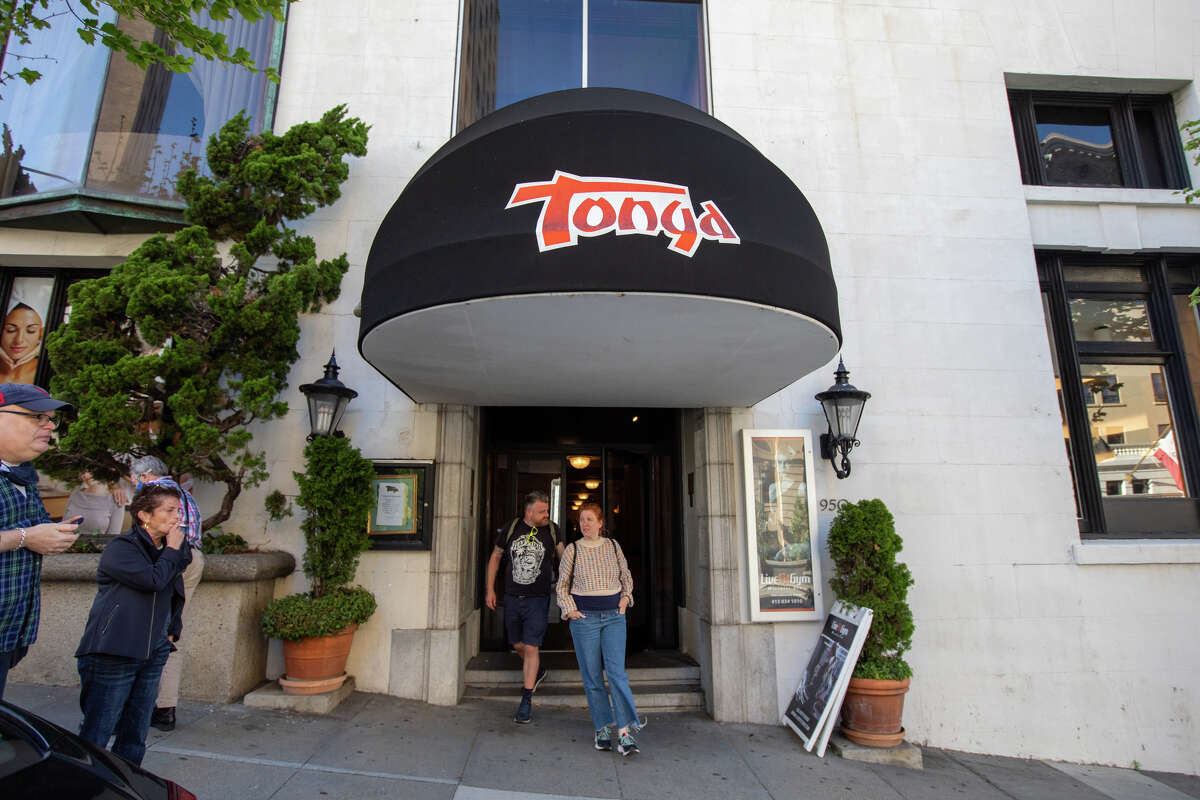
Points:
(117, 695)
(8, 660)
(600, 646)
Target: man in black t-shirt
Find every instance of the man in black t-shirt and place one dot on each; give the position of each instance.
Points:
(531, 544)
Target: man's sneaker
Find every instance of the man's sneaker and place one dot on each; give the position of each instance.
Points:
(626, 746)
(543, 673)
(603, 739)
(524, 711)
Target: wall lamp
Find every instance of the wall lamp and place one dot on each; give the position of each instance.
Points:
(843, 407)
(327, 401)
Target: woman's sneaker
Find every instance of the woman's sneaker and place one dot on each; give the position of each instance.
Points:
(626, 745)
(603, 739)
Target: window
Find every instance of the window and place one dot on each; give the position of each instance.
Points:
(1082, 139)
(101, 126)
(516, 49)
(35, 303)
(1126, 345)
(1159, 386)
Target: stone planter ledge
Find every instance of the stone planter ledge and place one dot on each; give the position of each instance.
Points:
(225, 651)
(237, 568)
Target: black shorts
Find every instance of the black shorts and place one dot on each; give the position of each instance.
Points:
(525, 618)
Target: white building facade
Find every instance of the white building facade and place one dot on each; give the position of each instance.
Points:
(979, 283)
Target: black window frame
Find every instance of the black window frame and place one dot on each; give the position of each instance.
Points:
(1109, 517)
(63, 278)
(1121, 108)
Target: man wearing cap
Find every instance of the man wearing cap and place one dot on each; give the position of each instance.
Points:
(28, 416)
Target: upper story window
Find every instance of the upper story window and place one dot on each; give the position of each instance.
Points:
(516, 49)
(1126, 355)
(1084, 139)
(105, 125)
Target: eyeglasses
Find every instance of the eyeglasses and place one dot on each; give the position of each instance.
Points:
(41, 419)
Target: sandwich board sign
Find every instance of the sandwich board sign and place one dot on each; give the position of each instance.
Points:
(813, 710)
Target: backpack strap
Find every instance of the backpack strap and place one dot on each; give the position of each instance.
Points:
(512, 527)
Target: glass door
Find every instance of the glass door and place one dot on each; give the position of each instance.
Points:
(510, 477)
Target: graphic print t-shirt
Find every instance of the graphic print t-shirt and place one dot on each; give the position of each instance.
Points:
(530, 559)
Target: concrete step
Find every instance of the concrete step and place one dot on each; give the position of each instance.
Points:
(566, 677)
(649, 696)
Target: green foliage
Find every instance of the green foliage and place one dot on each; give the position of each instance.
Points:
(1191, 132)
(90, 543)
(224, 544)
(18, 18)
(335, 491)
(277, 506)
(863, 544)
(177, 350)
(302, 616)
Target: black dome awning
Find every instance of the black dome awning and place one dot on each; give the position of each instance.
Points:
(598, 247)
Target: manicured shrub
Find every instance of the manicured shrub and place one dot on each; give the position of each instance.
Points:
(863, 544)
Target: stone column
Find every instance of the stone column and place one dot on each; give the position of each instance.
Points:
(740, 673)
(429, 664)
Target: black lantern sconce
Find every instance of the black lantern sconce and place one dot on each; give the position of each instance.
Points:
(327, 401)
(843, 407)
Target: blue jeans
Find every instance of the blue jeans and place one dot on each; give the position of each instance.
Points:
(8, 660)
(600, 646)
(117, 695)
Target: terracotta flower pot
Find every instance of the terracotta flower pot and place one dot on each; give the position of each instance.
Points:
(318, 658)
(872, 711)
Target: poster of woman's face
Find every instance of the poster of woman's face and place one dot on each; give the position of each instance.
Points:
(24, 329)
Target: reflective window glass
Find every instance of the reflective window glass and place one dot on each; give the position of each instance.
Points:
(538, 48)
(516, 49)
(154, 123)
(1059, 391)
(1103, 275)
(646, 45)
(1132, 436)
(47, 125)
(1076, 145)
(1189, 334)
(1105, 320)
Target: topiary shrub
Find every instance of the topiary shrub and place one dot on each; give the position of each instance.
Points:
(863, 544)
(302, 616)
(335, 491)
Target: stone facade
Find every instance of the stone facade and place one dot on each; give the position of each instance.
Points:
(892, 118)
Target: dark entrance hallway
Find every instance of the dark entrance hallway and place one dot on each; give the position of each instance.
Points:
(627, 460)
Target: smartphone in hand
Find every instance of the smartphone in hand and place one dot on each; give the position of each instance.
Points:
(75, 520)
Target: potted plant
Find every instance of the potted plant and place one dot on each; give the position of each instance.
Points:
(863, 544)
(317, 627)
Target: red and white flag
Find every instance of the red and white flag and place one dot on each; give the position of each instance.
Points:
(1168, 456)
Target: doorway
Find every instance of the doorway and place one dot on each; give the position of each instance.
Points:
(625, 459)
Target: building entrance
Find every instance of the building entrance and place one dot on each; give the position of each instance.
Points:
(626, 460)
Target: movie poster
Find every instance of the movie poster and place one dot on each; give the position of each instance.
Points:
(784, 574)
(25, 318)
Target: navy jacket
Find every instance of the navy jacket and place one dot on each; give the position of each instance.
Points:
(140, 597)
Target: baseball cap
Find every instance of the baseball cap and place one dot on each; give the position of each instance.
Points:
(29, 396)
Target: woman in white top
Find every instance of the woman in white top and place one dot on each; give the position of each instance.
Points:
(594, 589)
(94, 502)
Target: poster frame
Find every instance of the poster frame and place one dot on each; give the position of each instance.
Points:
(757, 614)
(421, 473)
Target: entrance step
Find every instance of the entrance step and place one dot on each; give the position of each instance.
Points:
(663, 680)
(649, 696)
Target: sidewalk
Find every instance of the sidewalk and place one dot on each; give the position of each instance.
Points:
(380, 746)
